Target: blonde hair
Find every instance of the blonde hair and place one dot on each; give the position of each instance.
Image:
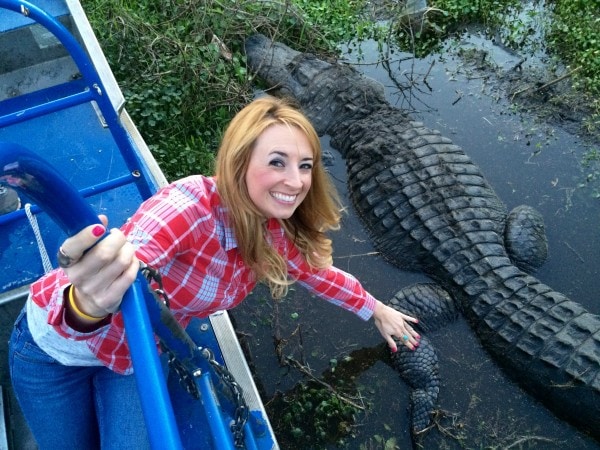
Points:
(317, 214)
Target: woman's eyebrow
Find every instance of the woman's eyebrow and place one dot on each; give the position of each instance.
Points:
(284, 154)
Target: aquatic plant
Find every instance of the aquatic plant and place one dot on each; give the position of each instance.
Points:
(575, 36)
(425, 30)
(590, 164)
(312, 415)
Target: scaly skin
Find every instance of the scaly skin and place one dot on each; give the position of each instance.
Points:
(429, 208)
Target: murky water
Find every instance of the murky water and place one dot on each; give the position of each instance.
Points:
(526, 162)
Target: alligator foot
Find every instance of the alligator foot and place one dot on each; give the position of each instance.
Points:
(434, 308)
(419, 368)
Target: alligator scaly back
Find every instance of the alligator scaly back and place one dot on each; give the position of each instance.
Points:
(429, 208)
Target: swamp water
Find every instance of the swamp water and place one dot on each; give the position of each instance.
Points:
(527, 161)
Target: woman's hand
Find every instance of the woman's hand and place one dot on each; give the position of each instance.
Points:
(100, 274)
(392, 323)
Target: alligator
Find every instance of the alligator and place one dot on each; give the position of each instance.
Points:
(428, 207)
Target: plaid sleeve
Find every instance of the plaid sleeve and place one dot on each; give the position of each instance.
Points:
(332, 284)
(170, 221)
(48, 293)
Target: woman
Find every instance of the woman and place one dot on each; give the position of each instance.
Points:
(263, 217)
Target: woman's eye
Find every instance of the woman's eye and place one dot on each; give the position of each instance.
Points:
(306, 166)
(277, 163)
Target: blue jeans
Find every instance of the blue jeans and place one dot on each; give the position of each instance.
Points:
(73, 407)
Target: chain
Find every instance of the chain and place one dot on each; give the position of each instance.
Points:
(241, 411)
(151, 274)
(186, 377)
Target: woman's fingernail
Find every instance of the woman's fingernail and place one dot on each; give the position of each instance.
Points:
(98, 230)
(395, 349)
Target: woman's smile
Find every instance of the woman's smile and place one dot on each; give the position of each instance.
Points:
(283, 197)
(279, 173)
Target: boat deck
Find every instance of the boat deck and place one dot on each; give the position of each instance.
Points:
(73, 136)
(34, 74)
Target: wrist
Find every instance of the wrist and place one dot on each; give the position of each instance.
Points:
(377, 308)
(76, 317)
(78, 310)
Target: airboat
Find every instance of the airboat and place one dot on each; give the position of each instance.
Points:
(68, 152)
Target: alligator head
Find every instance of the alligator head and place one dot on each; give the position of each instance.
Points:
(313, 83)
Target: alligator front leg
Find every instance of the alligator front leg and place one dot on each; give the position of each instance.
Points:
(434, 308)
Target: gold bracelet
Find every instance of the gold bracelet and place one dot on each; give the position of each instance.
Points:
(77, 311)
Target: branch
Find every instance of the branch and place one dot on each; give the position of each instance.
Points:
(550, 83)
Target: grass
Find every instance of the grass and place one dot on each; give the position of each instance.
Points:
(181, 65)
(182, 69)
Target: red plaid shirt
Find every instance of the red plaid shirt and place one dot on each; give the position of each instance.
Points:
(183, 231)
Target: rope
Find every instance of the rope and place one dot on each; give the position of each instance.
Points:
(38, 237)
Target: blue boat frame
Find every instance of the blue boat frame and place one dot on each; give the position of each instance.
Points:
(144, 315)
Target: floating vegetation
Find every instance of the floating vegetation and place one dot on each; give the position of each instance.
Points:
(313, 415)
(590, 164)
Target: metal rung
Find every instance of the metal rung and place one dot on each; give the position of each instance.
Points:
(44, 102)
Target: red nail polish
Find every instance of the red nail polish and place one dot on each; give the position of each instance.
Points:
(394, 350)
(98, 230)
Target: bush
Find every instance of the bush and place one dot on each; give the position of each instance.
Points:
(575, 36)
(181, 65)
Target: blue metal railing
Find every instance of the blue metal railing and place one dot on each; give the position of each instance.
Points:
(93, 90)
(29, 173)
(96, 189)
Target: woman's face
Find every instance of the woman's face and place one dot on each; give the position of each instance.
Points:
(279, 174)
